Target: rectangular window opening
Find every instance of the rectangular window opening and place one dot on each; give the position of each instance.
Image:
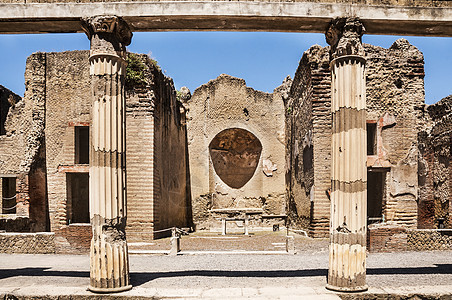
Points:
(82, 144)
(77, 197)
(376, 182)
(371, 138)
(8, 192)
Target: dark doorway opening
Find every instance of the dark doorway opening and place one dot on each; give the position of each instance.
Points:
(376, 186)
(78, 197)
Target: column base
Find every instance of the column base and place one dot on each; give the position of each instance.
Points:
(109, 290)
(347, 289)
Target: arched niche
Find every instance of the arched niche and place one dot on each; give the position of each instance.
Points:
(235, 154)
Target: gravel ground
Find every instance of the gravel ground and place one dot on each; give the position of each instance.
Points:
(307, 268)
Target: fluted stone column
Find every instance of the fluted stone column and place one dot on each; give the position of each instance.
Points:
(109, 266)
(347, 263)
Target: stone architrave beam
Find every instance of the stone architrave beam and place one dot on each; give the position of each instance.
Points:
(427, 18)
(109, 266)
(347, 262)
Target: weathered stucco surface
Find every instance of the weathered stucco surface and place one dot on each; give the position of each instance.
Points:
(21, 147)
(435, 166)
(394, 80)
(227, 103)
(39, 145)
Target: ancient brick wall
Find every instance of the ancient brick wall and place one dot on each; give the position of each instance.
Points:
(41, 142)
(394, 80)
(427, 240)
(299, 146)
(236, 150)
(395, 93)
(156, 156)
(171, 204)
(21, 140)
(30, 243)
(393, 238)
(68, 102)
(313, 69)
(140, 158)
(435, 164)
(389, 238)
(73, 239)
(7, 100)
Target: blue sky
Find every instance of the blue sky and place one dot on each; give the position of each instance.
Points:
(194, 58)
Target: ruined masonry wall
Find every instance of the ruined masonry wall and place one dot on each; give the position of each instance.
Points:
(171, 203)
(58, 85)
(32, 243)
(391, 238)
(435, 165)
(316, 60)
(223, 103)
(23, 141)
(156, 157)
(68, 103)
(395, 86)
(299, 146)
(394, 80)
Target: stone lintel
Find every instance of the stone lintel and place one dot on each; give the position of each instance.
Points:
(303, 16)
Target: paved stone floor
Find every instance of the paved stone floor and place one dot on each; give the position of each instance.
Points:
(403, 275)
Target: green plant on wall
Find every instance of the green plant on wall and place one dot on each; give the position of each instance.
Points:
(289, 110)
(179, 95)
(136, 71)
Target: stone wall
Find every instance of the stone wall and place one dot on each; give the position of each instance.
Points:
(68, 104)
(73, 239)
(236, 152)
(395, 92)
(21, 141)
(387, 238)
(156, 155)
(32, 243)
(309, 153)
(40, 147)
(7, 100)
(435, 165)
(394, 238)
(394, 81)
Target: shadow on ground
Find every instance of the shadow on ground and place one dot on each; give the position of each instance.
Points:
(139, 278)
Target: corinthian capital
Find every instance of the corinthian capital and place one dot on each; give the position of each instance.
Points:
(344, 36)
(108, 25)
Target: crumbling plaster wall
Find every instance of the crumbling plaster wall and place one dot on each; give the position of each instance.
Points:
(22, 141)
(68, 103)
(59, 96)
(308, 149)
(223, 103)
(435, 166)
(395, 94)
(395, 90)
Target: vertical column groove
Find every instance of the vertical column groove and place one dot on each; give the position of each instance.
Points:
(347, 254)
(109, 254)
